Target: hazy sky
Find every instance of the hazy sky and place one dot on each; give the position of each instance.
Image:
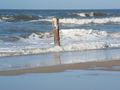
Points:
(59, 4)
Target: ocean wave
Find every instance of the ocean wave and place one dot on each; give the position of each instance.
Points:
(63, 33)
(9, 38)
(73, 47)
(14, 18)
(90, 14)
(70, 39)
(89, 21)
(41, 20)
(29, 18)
(82, 21)
(30, 37)
(82, 32)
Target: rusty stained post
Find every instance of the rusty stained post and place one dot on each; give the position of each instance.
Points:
(55, 25)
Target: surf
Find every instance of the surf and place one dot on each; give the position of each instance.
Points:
(70, 39)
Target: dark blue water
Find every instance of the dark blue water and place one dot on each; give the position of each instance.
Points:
(19, 22)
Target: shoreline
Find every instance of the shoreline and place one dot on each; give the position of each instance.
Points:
(40, 51)
(113, 65)
(59, 62)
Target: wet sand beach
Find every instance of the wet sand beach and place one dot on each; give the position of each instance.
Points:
(106, 65)
(97, 69)
(60, 62)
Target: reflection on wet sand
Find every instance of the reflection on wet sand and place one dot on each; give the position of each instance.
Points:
(107, 65)
(59, 62)
(56, 58)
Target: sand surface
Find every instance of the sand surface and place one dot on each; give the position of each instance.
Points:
(62, 71)
(106, 65)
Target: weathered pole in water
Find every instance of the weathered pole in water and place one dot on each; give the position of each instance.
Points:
(55, 25)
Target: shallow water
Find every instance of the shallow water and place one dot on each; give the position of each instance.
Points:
(65, 80)
(52, 59)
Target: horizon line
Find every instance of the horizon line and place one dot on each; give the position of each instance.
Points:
(60, 9)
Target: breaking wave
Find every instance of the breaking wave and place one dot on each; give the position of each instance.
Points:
(83, 21)
(89, 21)
(70, 39)
(9, 38)
(90, 14)
(41, 20)
(14, 18)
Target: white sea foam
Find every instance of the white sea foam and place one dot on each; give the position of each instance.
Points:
(7, 18)
(83, 21)
(92, 20)
(81, 14)
(71, 40)
(91, 14)
(41, 20)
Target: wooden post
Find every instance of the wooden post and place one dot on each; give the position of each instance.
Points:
(55, 25)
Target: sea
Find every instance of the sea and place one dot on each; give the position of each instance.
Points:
(93, 35)
(30, 31)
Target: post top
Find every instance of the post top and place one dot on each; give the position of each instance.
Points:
(55, 23)
(55, 19)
